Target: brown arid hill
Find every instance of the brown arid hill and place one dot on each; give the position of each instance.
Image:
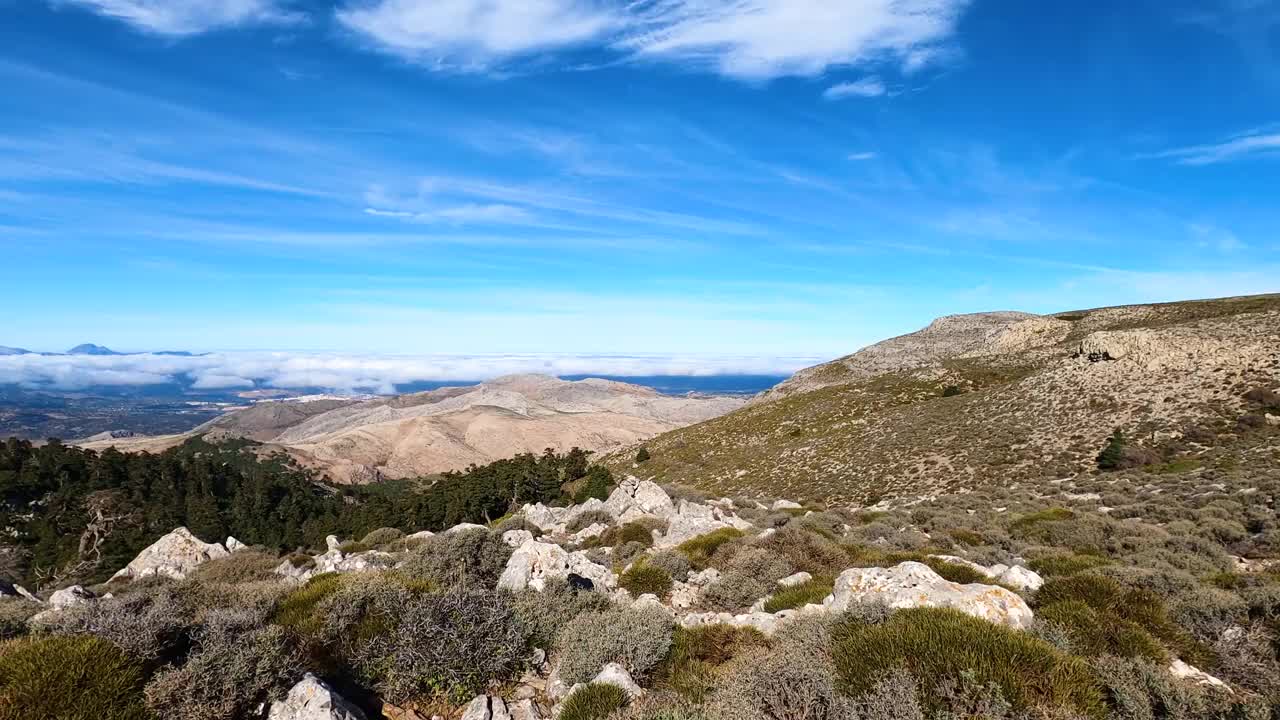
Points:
(991, 398)
(451, 428)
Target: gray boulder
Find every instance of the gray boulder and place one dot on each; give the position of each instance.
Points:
(534, 563)
(173, 556)
(312, 699)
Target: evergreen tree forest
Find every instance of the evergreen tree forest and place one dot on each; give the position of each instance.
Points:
(72, 513)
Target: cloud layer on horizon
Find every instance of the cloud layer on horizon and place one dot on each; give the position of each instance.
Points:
(345, 372)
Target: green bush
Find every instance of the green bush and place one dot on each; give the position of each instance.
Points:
(955, 572)
(1141, 690)
(636, 532)
(474, 556)
(643, 577)
(696, 654)
(296, 610)
(637, 638)
(811, 591)
(1119, 619)
(594, 701)
(795, 681)
(68, 678)
(807, 552)
(699, 550)
(966, 537)
(934, 644)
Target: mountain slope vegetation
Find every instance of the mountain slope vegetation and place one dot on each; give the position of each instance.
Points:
(991, 398)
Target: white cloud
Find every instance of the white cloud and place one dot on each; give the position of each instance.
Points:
(1255, 143)
(474, 33)
(188, 17)
(866, 87)
(862, 156)
(349, 372)
(745, 39)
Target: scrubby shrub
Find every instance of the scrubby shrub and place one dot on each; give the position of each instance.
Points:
(676, 565)
(243, 566)
(895, 696)
(594, 701)
(793, 682)
(1141, 690)
(1207, 612)
(1066, 564)
(696, 653)
(14, 614)
(586, 519)
(149, 627)
(1091, 633)
(544, 614)
(235, 667)
(812, 591)
(748, 576)
(373, 539)
(625, 553)
(68, 678)
(473, 556)
(637, 532)
(643, 577)
(638, 638)
(698, 550)
(451, 644)
(934, 644)
(516, 522)
(955, 572)
(966, 537)
(807, 552)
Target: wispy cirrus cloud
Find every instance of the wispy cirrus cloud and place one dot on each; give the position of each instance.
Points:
(180, 18)
(1233, 148)
(742, 39)
(866, 87)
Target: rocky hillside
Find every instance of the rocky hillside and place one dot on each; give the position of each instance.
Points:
(451, 428)
(989, 398)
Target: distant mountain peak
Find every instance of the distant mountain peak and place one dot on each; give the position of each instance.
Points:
(4, 350)
(91, 349)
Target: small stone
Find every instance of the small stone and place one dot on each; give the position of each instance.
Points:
(616, 675)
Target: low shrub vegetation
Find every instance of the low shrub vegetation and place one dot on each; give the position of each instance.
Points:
(69, 678)
(698, 551)
(642, 578)
(593, 701)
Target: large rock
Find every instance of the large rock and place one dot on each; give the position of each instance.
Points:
(617, 676)
(172, 556)
(534, 563)
(633, 499)
(70, 597)
(913, 584)
(1183, 671)
(312, 699)
(486, 707)
(691, 520)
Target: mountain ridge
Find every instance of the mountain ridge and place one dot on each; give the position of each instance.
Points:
(974, 397)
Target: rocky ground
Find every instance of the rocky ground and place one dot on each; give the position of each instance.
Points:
(674, 599)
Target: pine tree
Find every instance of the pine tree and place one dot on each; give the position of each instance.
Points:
(1113, 454)
(643, 455)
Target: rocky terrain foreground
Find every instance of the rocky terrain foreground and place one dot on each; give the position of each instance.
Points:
(649, 605)
(987, 398)
(451, 428)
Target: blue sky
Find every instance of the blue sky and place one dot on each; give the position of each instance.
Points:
(722, 177)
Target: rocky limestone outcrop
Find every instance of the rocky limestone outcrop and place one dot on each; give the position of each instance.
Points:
(1183, 671)
(692, 519)
(313, 699)
(335, 560)
(913, 584)
(616, 675)
(172, 556)
(1015, 576)
(486, 707)
(534, 563)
